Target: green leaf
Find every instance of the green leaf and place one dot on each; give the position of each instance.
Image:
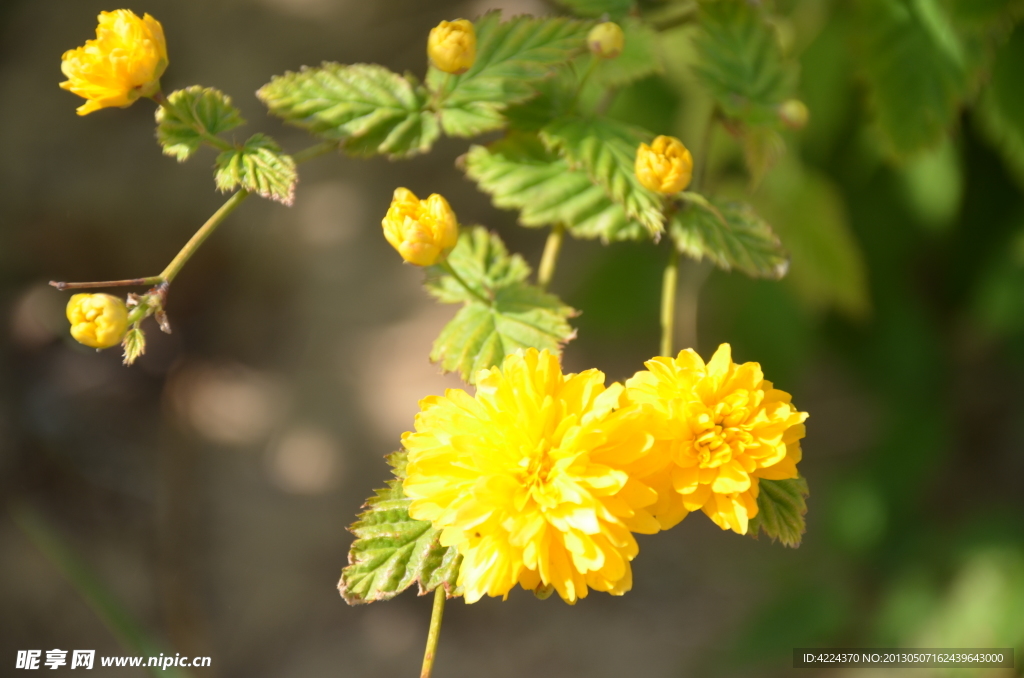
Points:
(914, 67)
(731, 235)
(781, 506)
(827, 268)
(511, 58)
(517, 315)
(740, 61)
(606, 150)
(392, 551)
(638, 60)
(373, 109)
(134, 345)
(259, 167)
(598, 8)
(519, 173)
(1002, 104)
(204, 108)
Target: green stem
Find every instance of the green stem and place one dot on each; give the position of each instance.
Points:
(669, 283)
(201, 235)
(552, 248)
(447, 268)
(701, 165)
(315, 151)
(436, 616)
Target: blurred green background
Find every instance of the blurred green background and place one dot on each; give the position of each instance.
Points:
(204, 493)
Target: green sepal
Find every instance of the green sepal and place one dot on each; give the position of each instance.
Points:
(512, 57)
(520, 173)
(781, 506)
(134, 344)
(740, 60)
(516, 314)
(191, 108)
(729, 234)
(605, 150)
(259, 167)
(373, 109)
(392, 551)
(615, 9)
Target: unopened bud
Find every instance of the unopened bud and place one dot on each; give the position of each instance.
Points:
(452, 46)
(606, 40)
(97, 320)
(793, 113)
(665, 166)
(423, 231)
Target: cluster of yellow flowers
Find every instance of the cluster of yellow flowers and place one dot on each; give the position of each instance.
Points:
(542, 478)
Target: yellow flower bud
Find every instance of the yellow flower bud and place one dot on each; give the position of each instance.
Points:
(606, 40)
(423, 231)
(794, 114)
(97, 320)
(452, 46)
(123, 63)
(665, 166)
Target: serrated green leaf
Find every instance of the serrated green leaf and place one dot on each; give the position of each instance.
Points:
(511, 58)
(638, 60)
(828, 269)
(520, 173)
(134, 344)
(731, 235)
(259, 167)
(914, 67)
(781, 506)
(372, 108)
(740, 61)
(190, 112)
(606, 150)
(392, 551)
(1002, 104)
(598, 8)
(517, 315)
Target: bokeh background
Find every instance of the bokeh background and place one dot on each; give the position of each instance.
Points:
(205, 492)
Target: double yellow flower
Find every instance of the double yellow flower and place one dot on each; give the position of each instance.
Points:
(123, 63)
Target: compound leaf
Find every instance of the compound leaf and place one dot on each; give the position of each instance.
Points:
(259, 167)
(731, 235)
(392, 551)
(740, 61)
(188, 113)
(914, 67)
(605, 150)
(781, 506)
(511, 58)
(373, 109)
(501, 314)
(520, 173)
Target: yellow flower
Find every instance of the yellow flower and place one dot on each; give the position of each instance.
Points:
(423, 231)
(123, 63)
(97, 320)
(606, 40)
(665, 166)
(527, 479)
(720, 427)
(452, 46)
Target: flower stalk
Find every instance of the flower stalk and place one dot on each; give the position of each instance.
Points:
(669, 284)
(436, 617)
(447, 268)
(548, 260)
